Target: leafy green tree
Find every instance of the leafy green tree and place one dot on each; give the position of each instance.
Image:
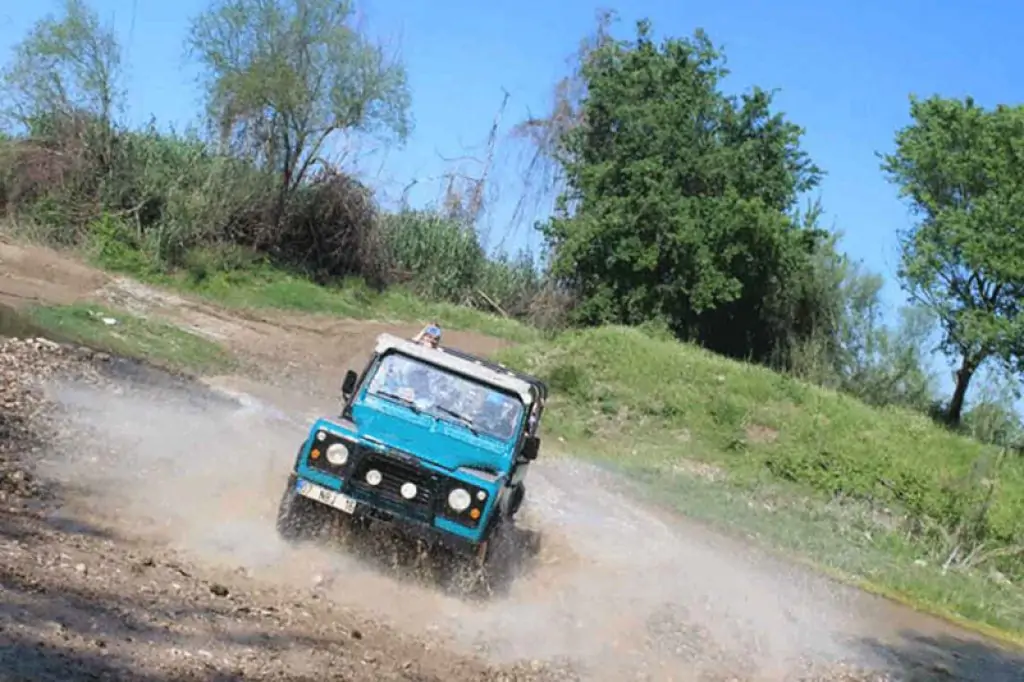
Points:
(991, 416)
(962, 169)
(61, 87)
(858, 353)
(67, 65)
(680, 201)
(283, 77)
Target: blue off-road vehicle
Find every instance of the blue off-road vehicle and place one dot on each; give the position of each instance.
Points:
(433, 440)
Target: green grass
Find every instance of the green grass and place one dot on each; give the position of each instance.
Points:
(130, 336)
(270, 288)
(262, 286)
(816, 474)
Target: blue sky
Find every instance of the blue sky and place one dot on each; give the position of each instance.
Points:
(844, 70)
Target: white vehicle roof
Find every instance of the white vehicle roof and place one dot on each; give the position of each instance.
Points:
(439, 357)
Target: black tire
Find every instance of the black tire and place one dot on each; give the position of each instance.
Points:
(296, 515)
(500, 547)
(518, 495)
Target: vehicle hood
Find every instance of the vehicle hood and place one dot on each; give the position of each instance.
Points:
(438, 441)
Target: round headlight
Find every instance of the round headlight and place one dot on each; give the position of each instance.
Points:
(408, 490)
(337, 454)
(459, 499)
(374, 477)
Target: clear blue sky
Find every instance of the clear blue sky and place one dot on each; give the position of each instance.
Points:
(845, 70)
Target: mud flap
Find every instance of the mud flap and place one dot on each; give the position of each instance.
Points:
(483, 554)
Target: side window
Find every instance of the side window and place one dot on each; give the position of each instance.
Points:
(360, 384)
(368, 372)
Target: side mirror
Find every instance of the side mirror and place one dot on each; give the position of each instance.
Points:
(348, 386)
(531, 448)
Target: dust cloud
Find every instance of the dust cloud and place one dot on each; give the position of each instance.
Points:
(617, 589)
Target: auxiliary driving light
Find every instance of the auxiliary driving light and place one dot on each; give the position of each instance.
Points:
(408, 490)
(337, 454)
(459, 499)
(374, 477)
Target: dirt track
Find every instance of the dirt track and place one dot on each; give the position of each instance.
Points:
(156, 558)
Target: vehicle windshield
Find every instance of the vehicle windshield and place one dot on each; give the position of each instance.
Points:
(428, 388)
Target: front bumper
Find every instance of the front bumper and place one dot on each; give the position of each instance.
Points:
(405, 525)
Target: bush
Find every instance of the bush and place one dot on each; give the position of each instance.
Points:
(438, 258)
(328, 230)
(441, 258)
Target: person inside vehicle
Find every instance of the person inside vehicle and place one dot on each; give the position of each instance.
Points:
(497, 415)
(531, 424)
(429, 336)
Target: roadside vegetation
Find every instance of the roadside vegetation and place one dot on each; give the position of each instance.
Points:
(699, 325)
(882, 494)
(126, 335)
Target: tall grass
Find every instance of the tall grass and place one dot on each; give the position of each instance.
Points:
(443, 260)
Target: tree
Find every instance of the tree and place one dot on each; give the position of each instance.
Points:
(680, 201)
(962, 169)
(855, 351)
(991, 418)
(284, 76)
(879, 364)
(66, 66)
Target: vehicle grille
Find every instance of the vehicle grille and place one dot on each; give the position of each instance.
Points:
(394, 473)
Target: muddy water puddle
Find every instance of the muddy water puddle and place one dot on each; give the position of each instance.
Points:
(16, 324)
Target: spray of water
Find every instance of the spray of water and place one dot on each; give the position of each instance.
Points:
(616, 588)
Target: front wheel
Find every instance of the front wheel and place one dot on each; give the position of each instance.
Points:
(518, 495)
(296, 515)
(500, 550)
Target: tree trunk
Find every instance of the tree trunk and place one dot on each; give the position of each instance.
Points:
(963, 379)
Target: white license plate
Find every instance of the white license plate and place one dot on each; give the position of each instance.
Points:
(328, 497)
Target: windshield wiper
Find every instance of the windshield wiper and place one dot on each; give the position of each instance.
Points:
(405, 401)
(466, 421)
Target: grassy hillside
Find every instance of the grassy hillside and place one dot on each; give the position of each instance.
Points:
(884, 495)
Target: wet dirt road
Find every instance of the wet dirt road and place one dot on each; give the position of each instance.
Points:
(618, 591)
